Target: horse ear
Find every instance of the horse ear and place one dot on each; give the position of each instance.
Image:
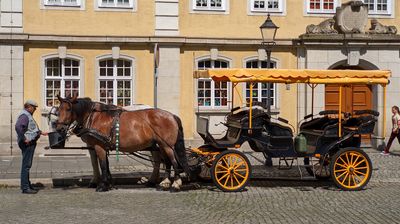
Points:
(74, 98)
(59, 98)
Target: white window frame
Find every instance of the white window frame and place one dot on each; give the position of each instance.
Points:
(259, 85)
(62, 3)
(115, 78)
(321, 11)
(279, 10)
(131, 4)
(209, 8)
(229, 87)
(390, 4)
(61, 78)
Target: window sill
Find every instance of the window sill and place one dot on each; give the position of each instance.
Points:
(115, 7)
(64, 6)
(320, 12)
(209, 11)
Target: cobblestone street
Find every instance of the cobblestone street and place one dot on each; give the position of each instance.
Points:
(264, 202)
(280, 198)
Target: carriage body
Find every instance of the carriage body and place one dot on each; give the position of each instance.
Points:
(332, 138)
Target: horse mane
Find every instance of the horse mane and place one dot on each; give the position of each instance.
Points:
(86, 104)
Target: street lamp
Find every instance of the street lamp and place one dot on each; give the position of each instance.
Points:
(268, 32)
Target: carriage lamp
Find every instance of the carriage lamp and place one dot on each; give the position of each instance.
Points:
(268, 32)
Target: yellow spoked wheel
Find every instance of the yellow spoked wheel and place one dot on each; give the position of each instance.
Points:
(351, 169)
(231, 171)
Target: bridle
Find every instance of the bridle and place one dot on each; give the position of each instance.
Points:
(65, 123)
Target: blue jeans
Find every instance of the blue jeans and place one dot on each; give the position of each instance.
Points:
(27, 157)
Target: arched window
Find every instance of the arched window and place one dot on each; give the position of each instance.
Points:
(260, 90)
(209, 93)
(115, 81)
(62, 77)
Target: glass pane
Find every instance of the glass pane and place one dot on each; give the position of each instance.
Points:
(120, 72)
(56, 72)
(102, 72)
(110, 84)
(120, 63)
(67, 62)
(127, 72)
(200, 93)
(75, 71)
(67, 72)
(102, 63)
(120, 85)
(110, 63)
(109, 72)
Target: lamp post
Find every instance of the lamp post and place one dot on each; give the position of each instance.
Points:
(268, 32)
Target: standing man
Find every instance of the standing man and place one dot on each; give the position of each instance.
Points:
(28, 133)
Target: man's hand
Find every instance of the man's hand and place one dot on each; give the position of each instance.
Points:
(27, 141)
(44, 133)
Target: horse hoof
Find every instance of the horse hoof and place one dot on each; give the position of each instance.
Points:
(174, 190)
(150, 184)
(102, 188)
(92, 185)
(162, 188)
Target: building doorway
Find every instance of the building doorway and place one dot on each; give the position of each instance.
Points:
(355, 97)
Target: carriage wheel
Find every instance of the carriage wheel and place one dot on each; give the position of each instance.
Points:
(321, 168)
(351, 169)
(231, 171)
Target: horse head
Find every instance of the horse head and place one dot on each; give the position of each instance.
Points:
(66, 114)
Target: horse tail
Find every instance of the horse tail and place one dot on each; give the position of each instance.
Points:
(180, 148)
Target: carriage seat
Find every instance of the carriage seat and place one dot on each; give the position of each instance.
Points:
(241, 116)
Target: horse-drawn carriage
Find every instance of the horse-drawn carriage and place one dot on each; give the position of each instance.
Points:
(329, 142)
(331, 138)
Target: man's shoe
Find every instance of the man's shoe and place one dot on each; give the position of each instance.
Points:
(29, 191)
(385, 153)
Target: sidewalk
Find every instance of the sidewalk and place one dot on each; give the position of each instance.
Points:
(58, 168)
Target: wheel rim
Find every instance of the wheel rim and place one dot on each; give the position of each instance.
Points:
(231, 171)
(351, 169)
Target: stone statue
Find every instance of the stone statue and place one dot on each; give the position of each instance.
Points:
(378, 28)
(352, 17)
(325, 27)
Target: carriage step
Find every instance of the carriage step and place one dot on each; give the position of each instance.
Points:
(288, 163)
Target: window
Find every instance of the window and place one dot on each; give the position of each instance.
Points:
(379, 6)
(209, 4)
(115, 81)
(321, 6)
(266, 5)
(212, 94)
(116, 3)
(62, 2)
(260, 90)
(62, 78)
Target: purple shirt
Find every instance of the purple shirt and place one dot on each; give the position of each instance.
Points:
(21, 126)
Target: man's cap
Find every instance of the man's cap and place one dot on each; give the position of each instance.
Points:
(32, 103)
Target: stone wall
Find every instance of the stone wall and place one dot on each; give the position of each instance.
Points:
(11, 70)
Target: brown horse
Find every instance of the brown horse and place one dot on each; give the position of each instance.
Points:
(138, 130)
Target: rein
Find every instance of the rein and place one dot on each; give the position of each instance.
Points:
(84, 127)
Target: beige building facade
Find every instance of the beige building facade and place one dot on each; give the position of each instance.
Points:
(105, 50)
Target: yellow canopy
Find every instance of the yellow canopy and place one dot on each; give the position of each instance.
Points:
(297, 76)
